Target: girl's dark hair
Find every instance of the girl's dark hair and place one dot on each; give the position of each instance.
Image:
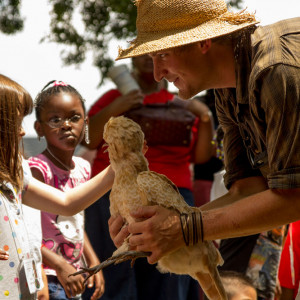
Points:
(15, 103)
(52, 88)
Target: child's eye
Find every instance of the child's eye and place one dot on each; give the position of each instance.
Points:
(55, 120)
(75, 118)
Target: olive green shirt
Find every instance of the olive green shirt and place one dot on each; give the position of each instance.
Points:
(261, 117)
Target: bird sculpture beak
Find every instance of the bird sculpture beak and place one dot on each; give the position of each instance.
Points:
(105, 145)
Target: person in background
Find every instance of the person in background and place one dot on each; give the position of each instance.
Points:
(144, 281)
(61, 120)
(18, 270)
(238, 286)
(289, 267)
(204, 173)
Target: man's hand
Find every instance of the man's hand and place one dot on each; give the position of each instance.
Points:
(159, 232)
(118, 232)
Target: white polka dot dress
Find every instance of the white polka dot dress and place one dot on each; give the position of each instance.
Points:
(14, 239)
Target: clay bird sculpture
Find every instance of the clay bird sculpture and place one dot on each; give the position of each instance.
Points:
(136, 186)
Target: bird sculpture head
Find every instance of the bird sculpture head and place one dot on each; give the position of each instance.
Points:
(123, 136)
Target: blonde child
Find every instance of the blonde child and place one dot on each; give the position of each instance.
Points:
(17, 272)
(238, 286)
(61, 120)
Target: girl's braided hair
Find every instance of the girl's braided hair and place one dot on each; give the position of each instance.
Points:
(53, 88)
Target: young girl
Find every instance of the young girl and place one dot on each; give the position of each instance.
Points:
(17, 273)
(61, 119)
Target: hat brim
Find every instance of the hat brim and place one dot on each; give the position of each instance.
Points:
(149, 42)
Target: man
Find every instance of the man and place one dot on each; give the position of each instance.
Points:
(255, 71)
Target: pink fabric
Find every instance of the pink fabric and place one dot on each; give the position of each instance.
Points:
(63, 235)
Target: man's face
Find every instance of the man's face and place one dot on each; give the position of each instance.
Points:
(185, 67)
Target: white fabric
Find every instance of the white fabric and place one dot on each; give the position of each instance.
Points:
(32, 218)
(218, 188)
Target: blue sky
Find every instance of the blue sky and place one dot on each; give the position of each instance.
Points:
(33, 64)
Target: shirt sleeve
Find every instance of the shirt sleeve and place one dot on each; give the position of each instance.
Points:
(103, 101)
(280, 101)
(36, 163)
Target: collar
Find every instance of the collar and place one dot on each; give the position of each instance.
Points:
(242, 56)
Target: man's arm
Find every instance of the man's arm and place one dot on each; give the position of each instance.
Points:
(240, 189)
(246, 215)
(253, 214)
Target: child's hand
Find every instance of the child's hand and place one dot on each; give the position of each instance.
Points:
(72, 285)
(4, 255)
(99, 282)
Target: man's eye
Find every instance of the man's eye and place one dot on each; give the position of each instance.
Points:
(162, 55)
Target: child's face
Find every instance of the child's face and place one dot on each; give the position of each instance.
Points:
(247, 293)
(21, 129)
(62, 121)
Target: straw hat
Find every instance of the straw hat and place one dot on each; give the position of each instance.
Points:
(163, 24)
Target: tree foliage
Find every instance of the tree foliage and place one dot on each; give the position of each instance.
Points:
(101, 21)
(82, 26)
(10, 17)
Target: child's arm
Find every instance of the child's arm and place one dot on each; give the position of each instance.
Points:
(43, 294)
(46, 198)
(72, 285)
(92, 260)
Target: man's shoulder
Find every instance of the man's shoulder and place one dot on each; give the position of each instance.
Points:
(270, 42)
(275, 44)
(278, 29)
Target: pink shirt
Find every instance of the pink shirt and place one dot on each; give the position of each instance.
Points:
(61, 234)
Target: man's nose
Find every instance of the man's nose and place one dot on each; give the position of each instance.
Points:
(159, 72)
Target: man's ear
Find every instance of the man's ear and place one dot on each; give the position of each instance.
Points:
(38, 129)
(204, 46)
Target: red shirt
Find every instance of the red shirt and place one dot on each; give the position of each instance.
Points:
(285, 272)
(173, 162)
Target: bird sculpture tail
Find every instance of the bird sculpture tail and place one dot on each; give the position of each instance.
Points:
(211, 284)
